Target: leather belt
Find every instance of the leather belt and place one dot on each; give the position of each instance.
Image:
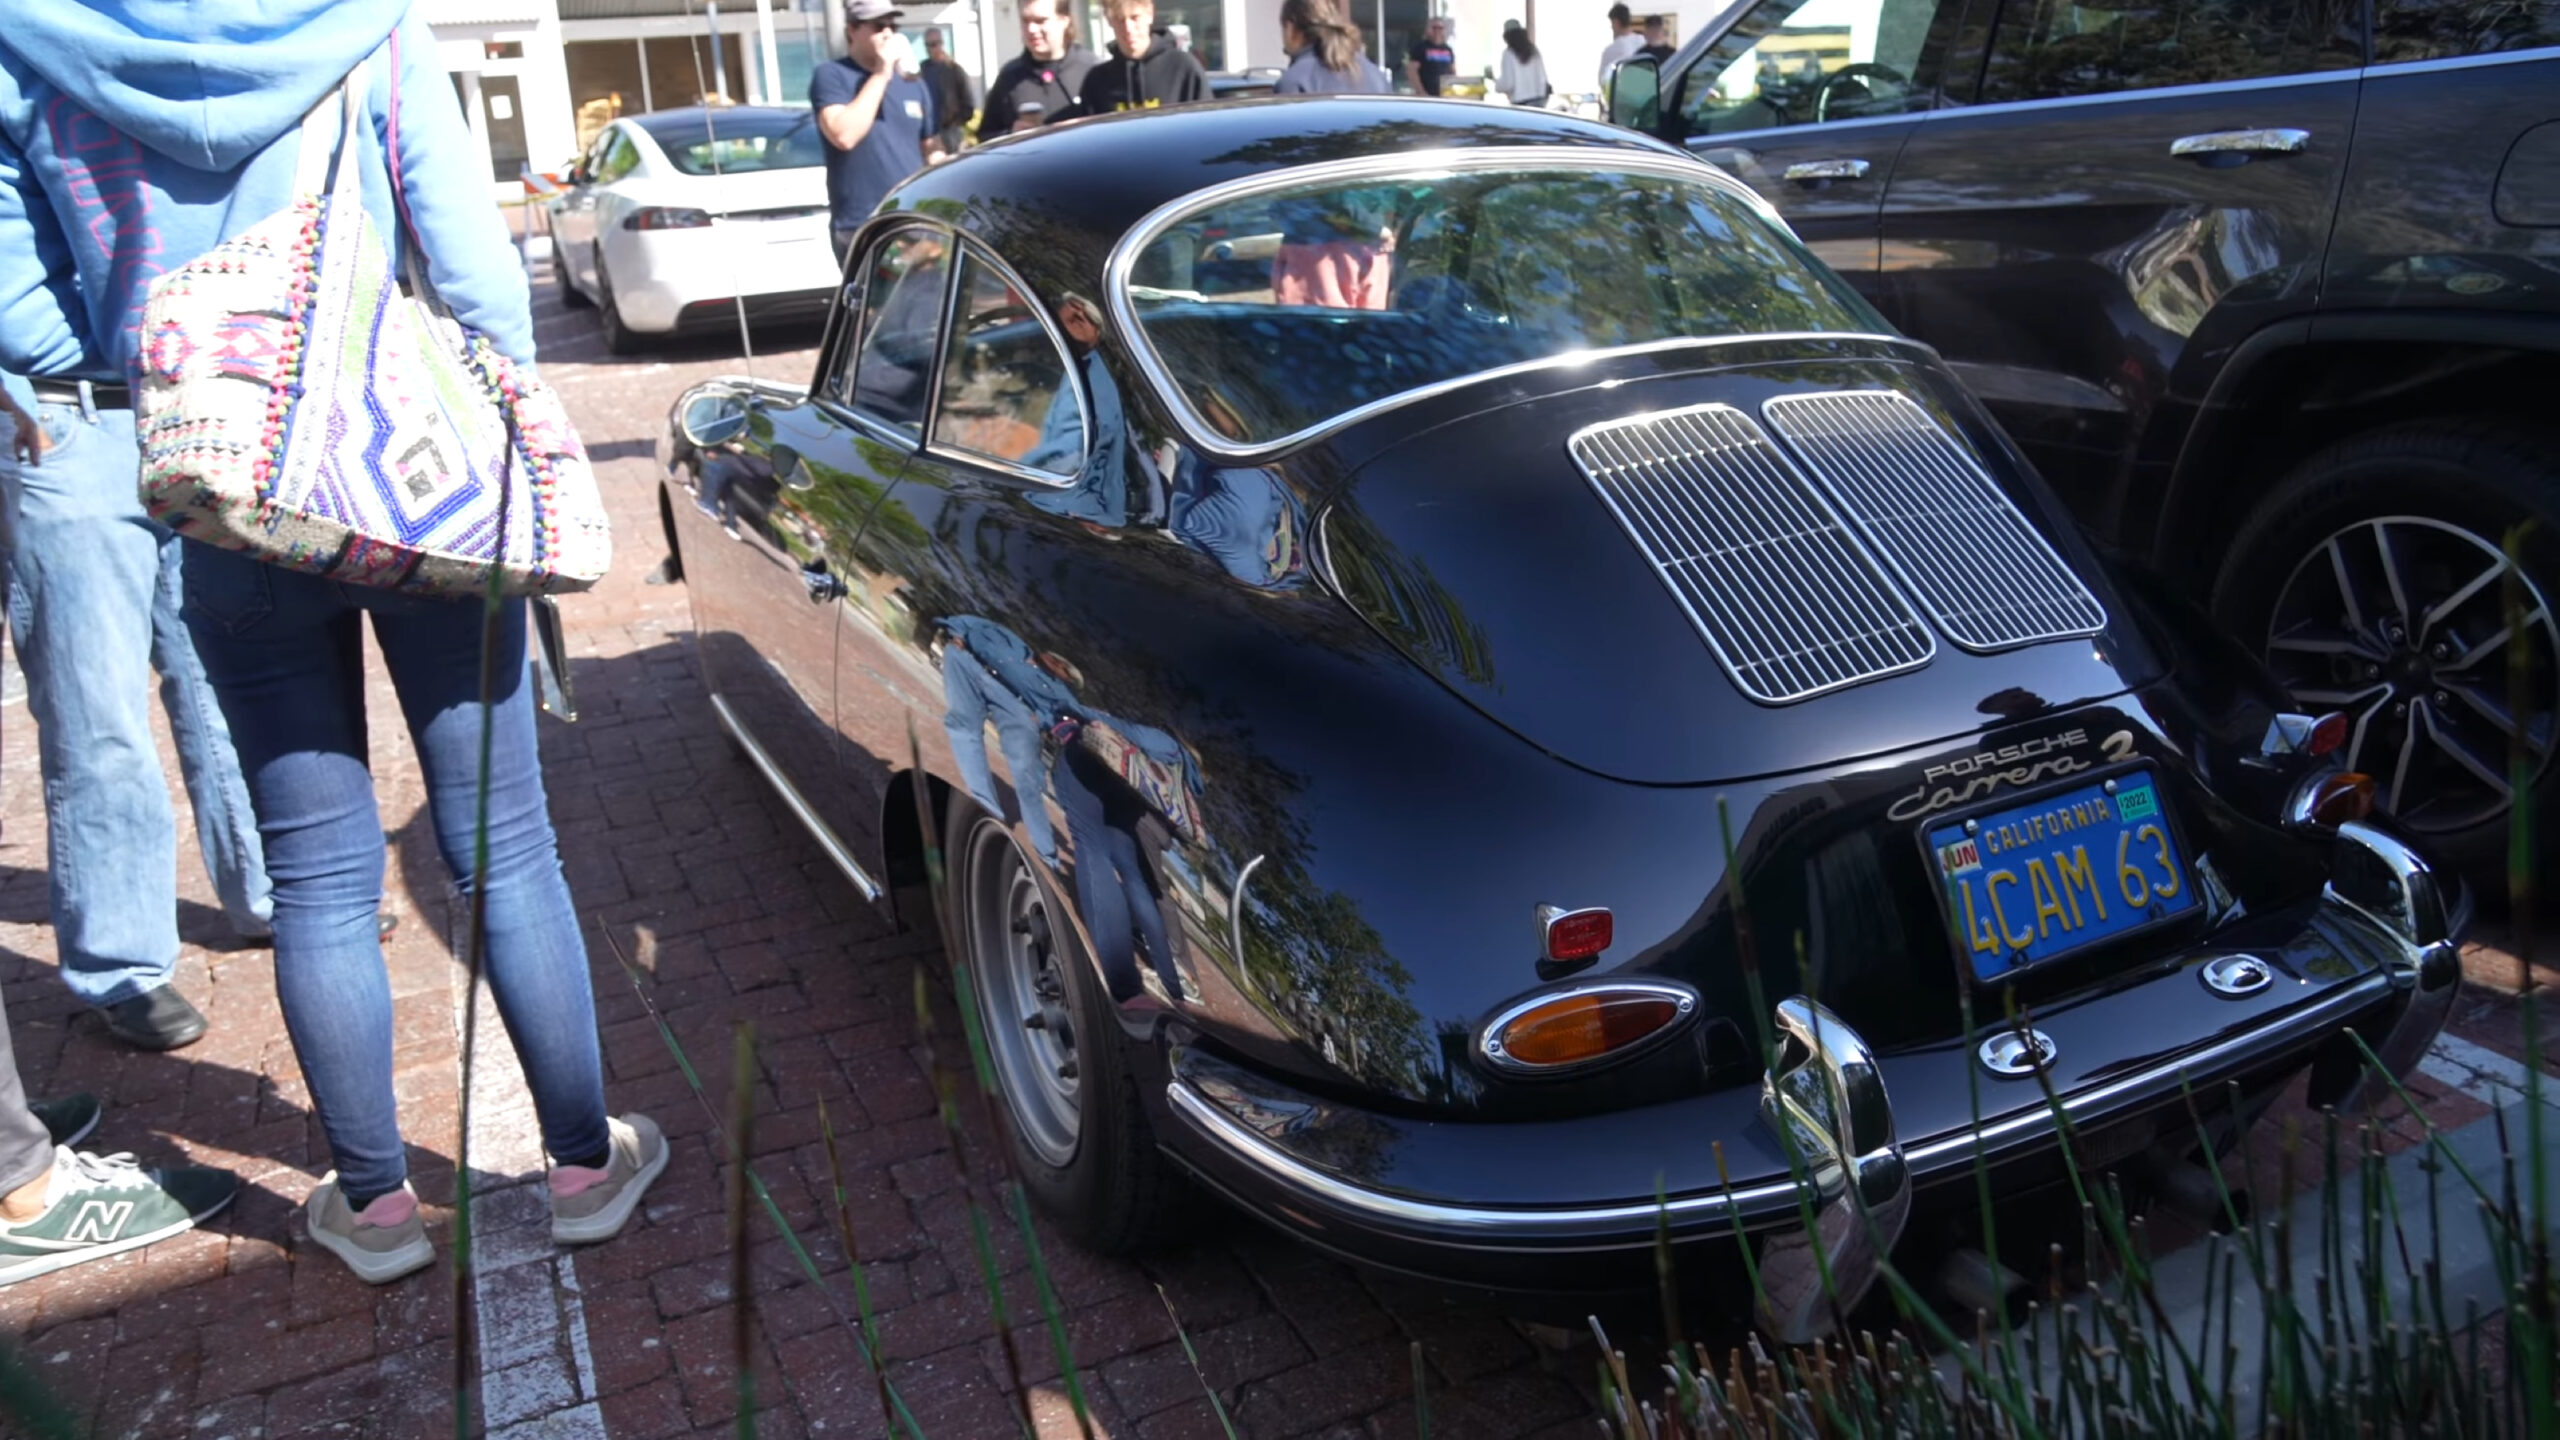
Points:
(103, 394)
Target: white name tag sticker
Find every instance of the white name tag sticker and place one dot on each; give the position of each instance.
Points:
(915, 109)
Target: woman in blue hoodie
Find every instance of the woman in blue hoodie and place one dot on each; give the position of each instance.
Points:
(134, 136)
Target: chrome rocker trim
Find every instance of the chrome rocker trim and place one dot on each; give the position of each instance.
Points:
(800, 808)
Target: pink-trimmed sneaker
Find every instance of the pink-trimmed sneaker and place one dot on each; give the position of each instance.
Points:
(589, 1205)
(382, 1242)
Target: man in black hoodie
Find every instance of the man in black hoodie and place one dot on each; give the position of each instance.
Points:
(1040, 84)
(1146, 69)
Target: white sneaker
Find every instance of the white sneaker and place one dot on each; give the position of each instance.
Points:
(382, 1242)
(588, 1205)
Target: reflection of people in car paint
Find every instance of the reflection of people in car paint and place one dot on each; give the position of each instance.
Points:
(1120, 909)
(988, 673)
(1101, 491)
(1330, 255)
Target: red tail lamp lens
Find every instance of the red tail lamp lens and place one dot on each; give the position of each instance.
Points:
(2339, 798)
(2327, 734)
(1577, 1028)
(667, 217)
(1580, 934)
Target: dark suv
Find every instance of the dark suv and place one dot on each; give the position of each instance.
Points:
(2268, 289)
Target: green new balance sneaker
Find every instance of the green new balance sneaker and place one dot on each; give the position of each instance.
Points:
(98, 1205)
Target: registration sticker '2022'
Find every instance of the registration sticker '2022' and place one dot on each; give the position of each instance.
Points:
(2032, 881)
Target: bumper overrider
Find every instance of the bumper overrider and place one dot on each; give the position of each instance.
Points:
(1835, 1132)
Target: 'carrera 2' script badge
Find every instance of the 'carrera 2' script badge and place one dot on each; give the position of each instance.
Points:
(1968, 778)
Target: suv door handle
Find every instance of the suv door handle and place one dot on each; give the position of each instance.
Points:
(1814, 172)
(2238, 147)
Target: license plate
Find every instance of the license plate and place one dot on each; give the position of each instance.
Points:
(2032, 881)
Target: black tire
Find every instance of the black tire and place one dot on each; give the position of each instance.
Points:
(2438, 497)
(1110, 1188)
(571, 297)
(619, 338)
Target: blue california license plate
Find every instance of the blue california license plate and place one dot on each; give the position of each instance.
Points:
(2032, 881)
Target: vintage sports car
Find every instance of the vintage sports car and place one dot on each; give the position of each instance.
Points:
(1352, 562)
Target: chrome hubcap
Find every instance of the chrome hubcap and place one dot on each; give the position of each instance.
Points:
(2401, 623)
(1031, 1033)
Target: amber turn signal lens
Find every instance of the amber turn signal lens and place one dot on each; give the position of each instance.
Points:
(1572, 1029)
(2337, 798)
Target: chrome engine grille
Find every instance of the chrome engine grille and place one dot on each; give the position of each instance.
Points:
(1983, 573)
(1782, 592)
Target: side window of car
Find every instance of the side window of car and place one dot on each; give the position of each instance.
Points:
(901, 318)
(620, 158)
(1805, 62)
(2444, 29)
(1006, 391)
(2051, 49)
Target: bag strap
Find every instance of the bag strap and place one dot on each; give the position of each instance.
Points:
(317, 167)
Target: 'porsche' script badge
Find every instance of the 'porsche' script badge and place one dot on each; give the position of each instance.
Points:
(1971, 777)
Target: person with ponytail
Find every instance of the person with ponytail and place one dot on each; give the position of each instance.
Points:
(1324, 53)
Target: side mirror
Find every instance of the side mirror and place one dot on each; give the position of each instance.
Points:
(1635, 94)
(711, 421)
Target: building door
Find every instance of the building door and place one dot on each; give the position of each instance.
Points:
(504, 101)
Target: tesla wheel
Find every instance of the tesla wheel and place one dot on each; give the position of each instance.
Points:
(2376, 581)
(1080, 1136)
(619, 338)
(571, 297)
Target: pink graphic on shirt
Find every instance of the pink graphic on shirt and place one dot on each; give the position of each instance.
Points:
(102, 173)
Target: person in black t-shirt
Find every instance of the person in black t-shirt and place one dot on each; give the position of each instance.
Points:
(954, 98)
(876, 114)
(1428, 61)
(1040, 84)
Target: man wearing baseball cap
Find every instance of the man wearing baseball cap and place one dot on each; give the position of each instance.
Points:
(876, 113)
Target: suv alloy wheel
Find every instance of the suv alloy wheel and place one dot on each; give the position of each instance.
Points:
(2375, 578)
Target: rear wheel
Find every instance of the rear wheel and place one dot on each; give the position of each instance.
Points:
(571, 297)
(619, 338)
(2375, 582)
(1080, 1136)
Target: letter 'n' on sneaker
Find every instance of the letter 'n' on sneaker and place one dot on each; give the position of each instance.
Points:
(100, 1205)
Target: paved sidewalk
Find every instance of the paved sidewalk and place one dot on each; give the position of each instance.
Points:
(676, 852)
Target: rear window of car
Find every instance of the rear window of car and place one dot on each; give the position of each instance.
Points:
(1274, 313)
(734, 144)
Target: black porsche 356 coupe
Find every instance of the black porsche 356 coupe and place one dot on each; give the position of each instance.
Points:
(1417, 615)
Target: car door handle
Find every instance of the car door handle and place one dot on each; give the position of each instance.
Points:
(822, 587)
(1815, 172)
(2238, 147)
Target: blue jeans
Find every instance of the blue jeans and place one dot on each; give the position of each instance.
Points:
(285, 653)
(1120, 910)
(94, 602)
(972, 696)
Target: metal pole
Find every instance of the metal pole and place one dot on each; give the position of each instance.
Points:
(719, 66)
(1382, 39)
(772, 52)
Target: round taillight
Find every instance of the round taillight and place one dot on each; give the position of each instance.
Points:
(2330, 800)
(1584, 1025)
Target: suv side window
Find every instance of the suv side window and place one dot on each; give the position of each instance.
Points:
(1804, 62)
(2051, 49)
(2445, 29)
(901, 319)
(1005, 387)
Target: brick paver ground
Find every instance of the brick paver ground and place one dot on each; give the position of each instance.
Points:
(676, 852)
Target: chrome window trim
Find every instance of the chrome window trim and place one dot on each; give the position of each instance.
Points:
(961, 455)
(873, 234)
(1817, 496)
(2118, 97)
(1410, 164)
(793, 801)
(2541, 53)
(1762, 1201)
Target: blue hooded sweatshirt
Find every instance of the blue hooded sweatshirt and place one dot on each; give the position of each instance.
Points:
(137, 134)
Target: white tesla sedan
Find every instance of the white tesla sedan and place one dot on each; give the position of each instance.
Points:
(670, 216)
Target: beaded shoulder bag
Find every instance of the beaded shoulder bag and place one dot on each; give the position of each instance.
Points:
(296, 404)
